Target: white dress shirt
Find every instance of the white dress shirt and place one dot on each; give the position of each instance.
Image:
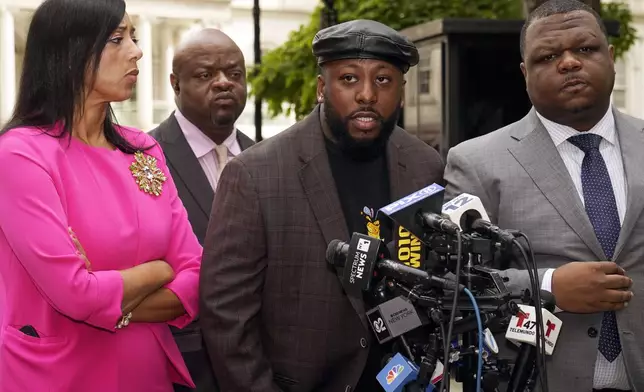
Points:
(204, 148)
(607, 374)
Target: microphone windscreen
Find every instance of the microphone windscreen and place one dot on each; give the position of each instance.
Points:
(332, 251)
(548, 300)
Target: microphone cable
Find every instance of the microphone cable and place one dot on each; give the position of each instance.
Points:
(477, 312)
(533, 273)
(445, 385)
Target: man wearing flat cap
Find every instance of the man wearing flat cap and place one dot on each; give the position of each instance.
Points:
(273, 311)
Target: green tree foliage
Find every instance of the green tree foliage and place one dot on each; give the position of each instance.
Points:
(286, 80)
(627, 33)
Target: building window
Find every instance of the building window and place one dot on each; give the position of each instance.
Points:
(619, 91)
(424, 78)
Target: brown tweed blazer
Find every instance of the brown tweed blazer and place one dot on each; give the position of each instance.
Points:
(273, 313)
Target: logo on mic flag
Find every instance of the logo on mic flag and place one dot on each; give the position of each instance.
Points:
(379, 325)
(363, 245)
(360, 263)
(550, 326)
(464, 209)
(397, 373)
(394, 372)
(393, 318)
(409, 250)
(400, 371)
(523, 328)
(404, 212)
(524, 321)
(412, 199)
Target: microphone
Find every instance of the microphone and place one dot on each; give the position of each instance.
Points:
(430, 220)
(494, 232)
(357, 259)
(363, 254)
(415, 276)
(393, 318)
(522, 331)
(336, 253)
(468, 213)
(414, 212)
(464, 209)
(400, 373)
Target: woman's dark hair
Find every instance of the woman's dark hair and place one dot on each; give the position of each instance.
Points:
(64, 45)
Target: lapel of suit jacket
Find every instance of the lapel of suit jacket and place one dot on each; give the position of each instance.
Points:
(631, 143)
(243, 140)
(186, 165)
(537, 154)
(319, 186)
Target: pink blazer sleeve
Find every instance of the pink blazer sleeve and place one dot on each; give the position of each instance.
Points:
(34, 223)
(184, 253)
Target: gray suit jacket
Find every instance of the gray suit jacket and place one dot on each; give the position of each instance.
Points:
(523, 184)
(273, 312)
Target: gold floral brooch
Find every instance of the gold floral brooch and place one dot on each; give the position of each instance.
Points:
(147, 174)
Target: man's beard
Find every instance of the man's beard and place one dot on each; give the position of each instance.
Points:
(227, 120)
(359, 149)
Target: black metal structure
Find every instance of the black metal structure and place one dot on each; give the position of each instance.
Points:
(468, 81)
(329, 15)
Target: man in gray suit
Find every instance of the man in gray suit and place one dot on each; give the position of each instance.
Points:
(273, 311)
(569, 175)
(198, 140)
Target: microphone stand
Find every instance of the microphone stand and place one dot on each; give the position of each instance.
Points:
(427, 367)
(469, 370)
(525, 372)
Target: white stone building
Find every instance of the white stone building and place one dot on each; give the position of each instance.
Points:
(628, 94)
(160, 25)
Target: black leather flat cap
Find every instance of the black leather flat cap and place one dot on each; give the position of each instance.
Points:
(364, 39)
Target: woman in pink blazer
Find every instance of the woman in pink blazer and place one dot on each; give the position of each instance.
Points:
(96, 253)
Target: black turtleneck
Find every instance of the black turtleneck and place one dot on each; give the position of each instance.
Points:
(363, 188)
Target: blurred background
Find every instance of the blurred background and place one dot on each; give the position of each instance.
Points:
(467, 83)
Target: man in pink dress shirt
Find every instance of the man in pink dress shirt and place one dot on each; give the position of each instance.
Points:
(198, 139)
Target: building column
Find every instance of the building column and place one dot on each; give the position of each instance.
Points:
(166, 67)
(7, 64)
(635, 79)
(144, 92)
(185, 30)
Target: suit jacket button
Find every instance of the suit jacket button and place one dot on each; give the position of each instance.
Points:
(363, 342)
(348, 388)
(592, 332)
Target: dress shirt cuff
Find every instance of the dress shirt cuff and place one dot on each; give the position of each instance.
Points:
(546, 284)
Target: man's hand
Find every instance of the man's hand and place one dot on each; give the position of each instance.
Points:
(591, 286)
